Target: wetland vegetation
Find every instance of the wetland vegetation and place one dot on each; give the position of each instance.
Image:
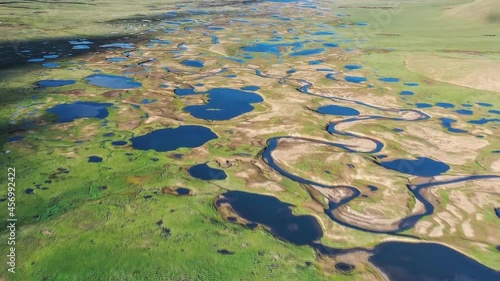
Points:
(252, 140)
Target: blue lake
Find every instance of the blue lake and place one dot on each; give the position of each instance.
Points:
(464, 112)
(185, 92)
(215, 28)
(250, 88)
(484, 104)
(411, 84)
(445, 104)
(169, 139)
(95, 159)
(112, 81)
(51, 65)
(119, 143)
(53, 83)
(270, 48)
(182, 191)
(80, 47)
(330, 45)
(338, 110)
(68, 112)
(447, 123)
(483, 121)
(407, 93)
(148, 101)
(307, 52)
(389, 79)
(193, 63)
(160, 41)
(324, 33)
(330, 76)
(316, 62)
(118, 45)
(352, 66)
(423, 105)
(402, 261)
(205, 172)
(355, 79)
(274, 214)
(421, 166)
(224, 104)
(117, 59)
(36, 60)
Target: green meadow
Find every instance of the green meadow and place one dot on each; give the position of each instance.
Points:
(113, 221)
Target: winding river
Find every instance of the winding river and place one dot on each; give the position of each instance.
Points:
(405, 223)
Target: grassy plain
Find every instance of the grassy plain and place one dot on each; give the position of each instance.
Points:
(110, 220)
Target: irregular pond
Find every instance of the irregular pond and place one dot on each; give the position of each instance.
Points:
(445, 104)
(330, 76)
(250, 88)
(274, 214)
(338, 110)
(51, 65)
(330, 45)
(411, 84)
(205, 172)
(270, 48)
(407, 93)
(183, 191)
(323, 33)
(193, 63)
(484, 104)
(352, 66)
(389, 79)
(427, 261)
(355, 79)
(307, 52)
(112, 81)
(117, 59)
(118, 45)
(483, 121)
(95, 159)
(169, 139)
(36, 60)
(447, 123)
(421, 166)
(224, 104)
(423, 105)
(119, 143)
(316, 62)
(148, 101)
(185, 92)
(53, 83)
(68, 112)
(464, 112)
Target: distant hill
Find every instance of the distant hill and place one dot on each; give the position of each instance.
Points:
(487, 11)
